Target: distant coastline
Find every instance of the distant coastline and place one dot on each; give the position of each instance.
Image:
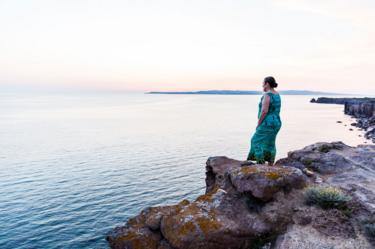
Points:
(240, 92)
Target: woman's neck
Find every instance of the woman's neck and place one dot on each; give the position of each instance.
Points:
(272, 90)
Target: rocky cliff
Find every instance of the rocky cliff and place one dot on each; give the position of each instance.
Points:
(356, 107)
(363, 109)
(322, 196)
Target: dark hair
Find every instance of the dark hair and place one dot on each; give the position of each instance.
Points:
(271, 81)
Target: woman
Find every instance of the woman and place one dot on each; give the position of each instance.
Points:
(263, 141)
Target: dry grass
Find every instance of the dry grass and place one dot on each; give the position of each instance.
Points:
(326, 197)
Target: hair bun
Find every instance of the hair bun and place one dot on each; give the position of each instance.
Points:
(271, 81)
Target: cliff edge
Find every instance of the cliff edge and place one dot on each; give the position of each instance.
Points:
(363, 109)
(322, 196)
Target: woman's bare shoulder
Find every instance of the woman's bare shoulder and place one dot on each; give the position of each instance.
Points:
(266, 97)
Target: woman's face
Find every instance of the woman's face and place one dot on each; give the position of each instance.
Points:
(265, 86)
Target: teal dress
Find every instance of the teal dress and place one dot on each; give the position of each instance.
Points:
(263, 146)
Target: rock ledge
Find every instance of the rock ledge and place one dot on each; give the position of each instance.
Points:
(254, 206)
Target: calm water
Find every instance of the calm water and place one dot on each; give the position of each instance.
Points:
(73, 167)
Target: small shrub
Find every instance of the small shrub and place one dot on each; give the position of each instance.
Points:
(326, 197)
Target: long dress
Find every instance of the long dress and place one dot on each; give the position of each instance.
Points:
(263, 146)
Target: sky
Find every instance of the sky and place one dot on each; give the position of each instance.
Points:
(161, 45)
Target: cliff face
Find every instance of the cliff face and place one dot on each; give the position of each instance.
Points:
(340, 101)
(363, 109)
(258, 206)
(360, 109)
(356, 107)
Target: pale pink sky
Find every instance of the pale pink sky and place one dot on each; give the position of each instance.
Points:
(326, 45)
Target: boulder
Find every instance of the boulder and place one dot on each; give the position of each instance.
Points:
(262, 182)
(259, 181)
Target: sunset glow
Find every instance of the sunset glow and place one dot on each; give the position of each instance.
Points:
(188, 45)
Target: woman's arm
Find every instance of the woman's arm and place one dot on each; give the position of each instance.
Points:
(265, 107)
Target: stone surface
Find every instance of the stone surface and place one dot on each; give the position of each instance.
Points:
(324, 158)
(306, 237)
(257, 205)
(262, 181)
(350, 168)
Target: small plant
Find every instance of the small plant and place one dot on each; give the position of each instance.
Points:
(326, 197)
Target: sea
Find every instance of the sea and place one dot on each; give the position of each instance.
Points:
(74, 166)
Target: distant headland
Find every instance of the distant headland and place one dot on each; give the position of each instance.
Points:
(241, 92)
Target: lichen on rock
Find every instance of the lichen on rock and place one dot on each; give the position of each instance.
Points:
(244, 207)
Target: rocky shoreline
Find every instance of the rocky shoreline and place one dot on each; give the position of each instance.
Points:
(363, 109)
(322, 196)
